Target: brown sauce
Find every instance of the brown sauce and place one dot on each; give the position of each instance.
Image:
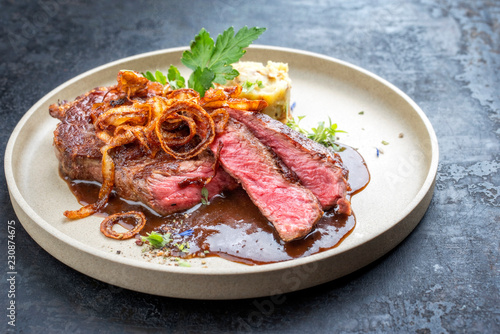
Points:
(232, 227)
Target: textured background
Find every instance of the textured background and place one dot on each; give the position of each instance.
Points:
(444, 278)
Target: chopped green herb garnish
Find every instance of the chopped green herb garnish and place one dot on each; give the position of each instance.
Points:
(204, 196)
(248, 86)
(181, 263)
(325, 135)
(156, 239)
(361, 113)
(184, 247)
(294, 124)
(384, 142)
(210, 61)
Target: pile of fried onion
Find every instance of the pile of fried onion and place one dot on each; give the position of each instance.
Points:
(156, 117)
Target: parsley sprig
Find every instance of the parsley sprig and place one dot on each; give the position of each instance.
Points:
(323, 134)
(210, 61)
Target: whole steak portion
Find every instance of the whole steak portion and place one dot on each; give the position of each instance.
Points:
(164, 184)
(290, 178)
(318, 169)
(291, 208)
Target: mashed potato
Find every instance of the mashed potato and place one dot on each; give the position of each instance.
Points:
(270, 83)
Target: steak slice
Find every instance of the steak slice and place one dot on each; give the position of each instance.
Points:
(162, 183)
(165, 184)
(291, 208)
(318, 168)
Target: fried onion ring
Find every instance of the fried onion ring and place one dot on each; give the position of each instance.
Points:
(108, 223)
(108, 174)
(183, 94)
(220, 117)
(131, 83)
(221, 94)
(137, 114)
(174, 122)
(201, 124)
(242, 104)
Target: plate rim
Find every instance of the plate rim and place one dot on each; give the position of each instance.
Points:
(427, 185)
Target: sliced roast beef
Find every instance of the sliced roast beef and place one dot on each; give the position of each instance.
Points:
(290, 207)
(318, 168)
(162, 183)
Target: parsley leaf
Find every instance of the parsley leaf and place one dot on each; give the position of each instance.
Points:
(156, 239)
(148, 75)
(157, 77)
(201, 80)
(160, 77)
(211, 62)
(175, 78)
(201, 50)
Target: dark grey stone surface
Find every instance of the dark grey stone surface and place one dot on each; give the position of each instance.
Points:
(445, 54)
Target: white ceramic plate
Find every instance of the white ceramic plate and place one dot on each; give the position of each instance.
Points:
(402, 182)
